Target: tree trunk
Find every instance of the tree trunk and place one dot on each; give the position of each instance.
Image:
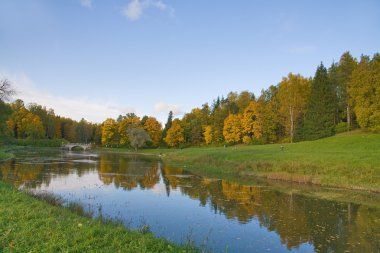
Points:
(291, 125)
(348, 118)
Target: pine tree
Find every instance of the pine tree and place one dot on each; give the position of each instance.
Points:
(167, 126)
(319, 118)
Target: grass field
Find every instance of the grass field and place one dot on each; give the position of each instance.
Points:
(28, 224)
(349, 160)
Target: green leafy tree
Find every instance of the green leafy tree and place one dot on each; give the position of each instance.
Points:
(84, 131)
(344, 70)
(138, 137)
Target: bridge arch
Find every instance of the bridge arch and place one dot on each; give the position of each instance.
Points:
(70, 146)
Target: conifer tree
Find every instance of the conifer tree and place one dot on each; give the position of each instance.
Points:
(319, 118)
(167, 126)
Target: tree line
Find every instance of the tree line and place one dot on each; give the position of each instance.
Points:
(340, 98)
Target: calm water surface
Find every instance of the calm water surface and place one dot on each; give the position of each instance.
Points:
(215, 214)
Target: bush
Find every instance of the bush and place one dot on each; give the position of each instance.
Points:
(341, 127)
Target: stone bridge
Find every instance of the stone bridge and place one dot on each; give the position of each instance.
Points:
(70, 146)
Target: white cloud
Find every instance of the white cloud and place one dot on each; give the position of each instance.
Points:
(162, 107)
(75, 108)
(86, 3)
(135, 8)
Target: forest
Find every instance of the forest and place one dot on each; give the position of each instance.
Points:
(339, 98)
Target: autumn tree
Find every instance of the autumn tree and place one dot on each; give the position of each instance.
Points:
(175, 134)
(364, 88)
(47, 117)
(243, 100)
(110, 133)
(232, 130)
(31, 126)
(293, 94)
(252, 121)
(207, 133)
(319, 118)
(217, 117)
(154, 129)
(130, 120)
(24, 124)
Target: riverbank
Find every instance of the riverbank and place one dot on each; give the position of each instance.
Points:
(349, 160)
(28, 224)
(6, 152)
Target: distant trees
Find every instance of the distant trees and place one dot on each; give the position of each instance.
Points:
(23, 124)
(343, 97)
(6, 91)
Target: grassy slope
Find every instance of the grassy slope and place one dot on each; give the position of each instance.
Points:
(349, 160)
(28, 224)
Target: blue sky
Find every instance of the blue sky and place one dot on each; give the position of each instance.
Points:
(97, 59)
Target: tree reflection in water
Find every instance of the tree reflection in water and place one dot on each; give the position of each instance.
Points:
(297, 219)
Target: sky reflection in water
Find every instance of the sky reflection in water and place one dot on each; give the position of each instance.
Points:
(215, 214)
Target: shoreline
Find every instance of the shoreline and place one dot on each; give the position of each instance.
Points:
(59, 228)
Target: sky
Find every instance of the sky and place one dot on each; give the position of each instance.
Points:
(97, 59)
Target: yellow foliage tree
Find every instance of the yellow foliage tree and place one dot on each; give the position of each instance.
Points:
(33, 127)
(24, 124)
(252, 120)
(110, 132)
(293, 95)
(247, 139)
(207, 133)
(364, 89)
(154, 129)
(175, 134)
(232, 130)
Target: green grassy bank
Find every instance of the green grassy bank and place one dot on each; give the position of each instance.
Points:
(349, 160)
(5, 152)
(28, 224)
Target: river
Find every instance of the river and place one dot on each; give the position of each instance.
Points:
(214, 214)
